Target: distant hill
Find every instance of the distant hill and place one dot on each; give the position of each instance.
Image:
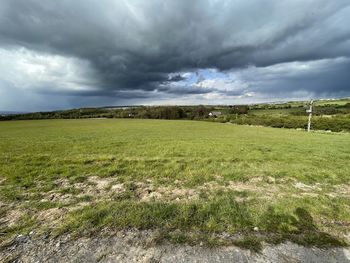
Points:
(5, 113)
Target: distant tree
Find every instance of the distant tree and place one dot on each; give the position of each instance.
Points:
(239, 109)
(172, 113)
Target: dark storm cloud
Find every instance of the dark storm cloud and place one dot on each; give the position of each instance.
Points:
(137, 48)
(321, 78)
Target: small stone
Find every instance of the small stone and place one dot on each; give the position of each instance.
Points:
(271, 180)
(13, 247)
(21, 238)
(256, 228)
(58, 244)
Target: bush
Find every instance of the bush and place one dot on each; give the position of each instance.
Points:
(335, 123)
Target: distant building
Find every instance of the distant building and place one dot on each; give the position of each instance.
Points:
(214, 114)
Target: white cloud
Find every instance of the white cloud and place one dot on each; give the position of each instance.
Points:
(223, 84)
(37, 72)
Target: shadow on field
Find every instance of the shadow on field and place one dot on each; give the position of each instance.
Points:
(299, 228)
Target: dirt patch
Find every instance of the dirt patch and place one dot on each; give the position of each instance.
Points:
(96, 188)
(148, 192)
(306, 187)
(101, 183)
(168, 194)
(14, 216)
(59, 197)
(343, 190)
(104, 189)
(51, 217)
(2, 179)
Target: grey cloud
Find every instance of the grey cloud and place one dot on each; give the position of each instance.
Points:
(175, 78)
(184, 90)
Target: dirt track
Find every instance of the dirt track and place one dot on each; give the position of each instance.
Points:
(135, 246)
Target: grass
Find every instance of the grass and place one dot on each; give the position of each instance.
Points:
(290, 185)
(332, 102)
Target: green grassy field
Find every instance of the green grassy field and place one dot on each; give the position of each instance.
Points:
(191, 181)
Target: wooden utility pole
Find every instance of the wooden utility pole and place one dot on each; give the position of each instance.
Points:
(310, 116)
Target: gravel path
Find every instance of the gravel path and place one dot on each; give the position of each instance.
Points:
(140, 247)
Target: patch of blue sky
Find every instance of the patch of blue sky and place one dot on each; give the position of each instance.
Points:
(192, 78)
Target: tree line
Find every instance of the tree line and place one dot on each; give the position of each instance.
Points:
(327, 117)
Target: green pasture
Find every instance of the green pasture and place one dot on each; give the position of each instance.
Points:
(270, 184)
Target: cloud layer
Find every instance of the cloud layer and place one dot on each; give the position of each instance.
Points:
(87, 52)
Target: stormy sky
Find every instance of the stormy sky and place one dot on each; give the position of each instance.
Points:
(66, 54)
